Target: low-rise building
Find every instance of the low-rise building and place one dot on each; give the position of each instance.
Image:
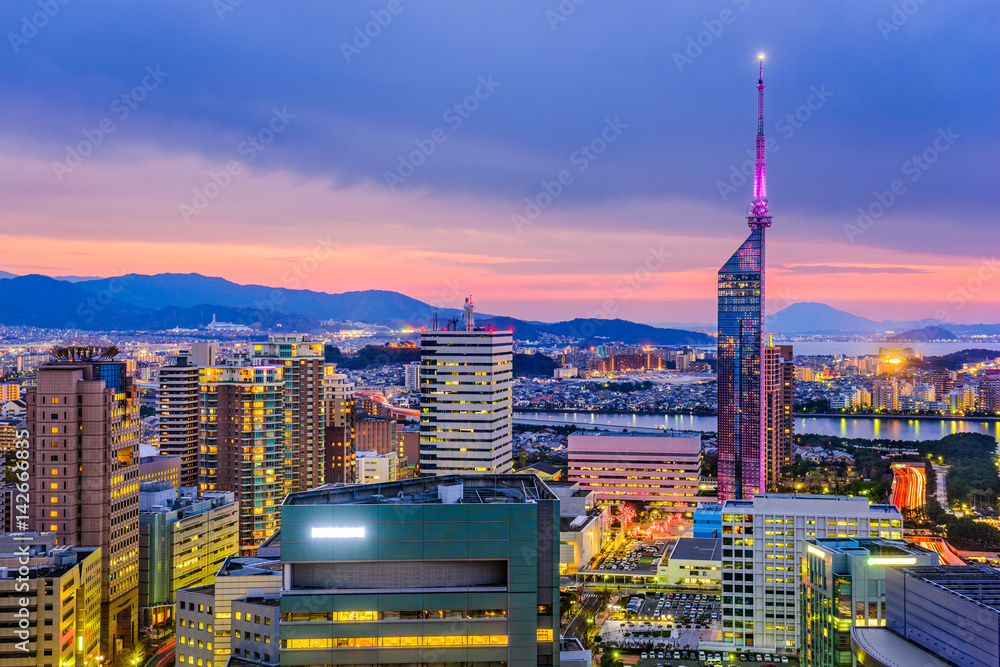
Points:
(374, 467)
(255, 629)
(205, 613)
(660, 469)
(694, 562)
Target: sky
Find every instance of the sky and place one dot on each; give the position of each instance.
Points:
(556, 159)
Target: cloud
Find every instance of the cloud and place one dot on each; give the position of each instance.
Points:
(808, 269)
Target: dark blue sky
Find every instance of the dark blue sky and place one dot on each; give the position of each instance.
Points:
(891, 91)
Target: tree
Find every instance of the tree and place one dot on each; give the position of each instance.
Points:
(610, 659)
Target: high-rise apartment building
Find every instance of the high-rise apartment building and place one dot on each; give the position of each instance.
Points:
(411, 373)
(989, 391)
(303, 395)
(243, 428)
(779, 398)
(427, 571)
(338, 407)
(885, 393)
(83, 420)
(742, 458)
(10, 391)
(466, 380)
(762, 544)
(178, 408)
(843, 585)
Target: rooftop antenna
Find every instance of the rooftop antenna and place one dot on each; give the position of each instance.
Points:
(757, 213)
(470, 318)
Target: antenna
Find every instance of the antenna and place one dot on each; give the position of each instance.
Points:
(757, 213)
(470, 317)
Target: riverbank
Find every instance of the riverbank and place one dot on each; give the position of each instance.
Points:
(690, 413)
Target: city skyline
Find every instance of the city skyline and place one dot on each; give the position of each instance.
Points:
(666, 113)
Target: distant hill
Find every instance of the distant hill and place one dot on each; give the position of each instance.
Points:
(922, 335)
(818, 318)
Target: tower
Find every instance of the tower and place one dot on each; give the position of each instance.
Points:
(466, 380)
(83, 420)
(742, 456)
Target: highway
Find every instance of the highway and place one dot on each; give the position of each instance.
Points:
(946, 555)
(909, 485)
(164, 656)
(588, 604)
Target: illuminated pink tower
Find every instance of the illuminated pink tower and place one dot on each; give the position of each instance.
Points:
(757, 213)
(742, 427)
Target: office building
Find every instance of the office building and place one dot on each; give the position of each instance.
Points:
(466, 379)
(338, 407)
(779, 425)
(693, 562)
(204, 627)
(242, 443)
(256, 621)
(952, 611)
(742, 455)
(843, 585)
(61, 585)
(28, 362)
(182, 543)
(178, 408)
(707, 520)
(305, 420)
(660, 469)
(161, 469)
(584, 528)
(762, 544)
(375, 434)
(84, 426)
(430, 571)
(374, 467)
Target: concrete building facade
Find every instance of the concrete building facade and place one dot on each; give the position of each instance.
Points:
(83, 420)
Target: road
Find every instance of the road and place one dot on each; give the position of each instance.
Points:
(164, 656)
(588, 605)
(909, 485)
(947, 555)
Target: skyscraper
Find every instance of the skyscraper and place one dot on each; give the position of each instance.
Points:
(304, 420)
(338, 406)
(742, 459)
(779, 426)
(178, 408)
(466, 380)
(243, 443)
(83, 418)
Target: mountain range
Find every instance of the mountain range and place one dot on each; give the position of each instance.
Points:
(168, 300)
(164, 301)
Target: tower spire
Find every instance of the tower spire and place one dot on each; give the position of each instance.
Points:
(757, 213)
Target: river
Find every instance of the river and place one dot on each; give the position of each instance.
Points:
(899, 428)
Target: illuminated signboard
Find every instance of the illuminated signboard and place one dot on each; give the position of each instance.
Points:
(815, 552)
(889, 560)
(337, 531)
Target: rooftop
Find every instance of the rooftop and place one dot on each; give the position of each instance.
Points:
(248, 566)
(474, 489)
(892, 650)
(697, 548)
(791, 503)
(978, 584)
(632, 434)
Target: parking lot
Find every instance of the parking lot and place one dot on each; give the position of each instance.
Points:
(696, 610)
(637, 557)
(682, 658)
